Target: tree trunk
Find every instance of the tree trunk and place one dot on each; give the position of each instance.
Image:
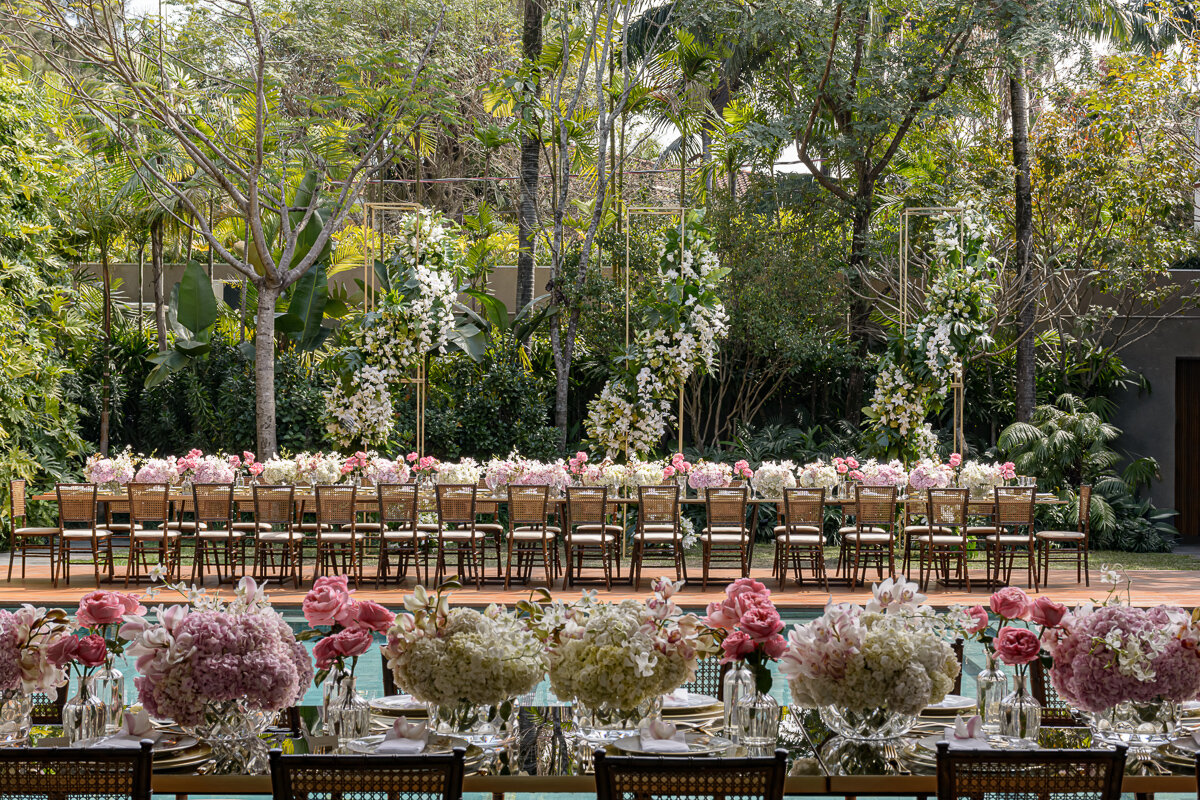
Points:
(156, 270)
(1027, 302)
(562, 381)
(531, 50)
(860, 311)
(106, 371)
(264, 371)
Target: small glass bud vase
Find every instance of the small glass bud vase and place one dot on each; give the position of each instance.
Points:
(84, 714)
(347, 713)
(109, 685)
(1020, 715)
(991, 686)
(16, 717)
(758, 720)
(737, 683)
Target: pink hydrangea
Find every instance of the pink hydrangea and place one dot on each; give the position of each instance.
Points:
(1088, 675)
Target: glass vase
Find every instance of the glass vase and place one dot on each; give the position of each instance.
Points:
(1020, 715)
(1142, 727)
(346, 713)
(991, 686)
(109, 685)
(84, 715)
(234, 732)
(604, 724)
(758, 720)
(737, 683)
(867, 725)
(487, 726)
(16, 716)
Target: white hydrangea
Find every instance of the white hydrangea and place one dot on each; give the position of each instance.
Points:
(466, 471)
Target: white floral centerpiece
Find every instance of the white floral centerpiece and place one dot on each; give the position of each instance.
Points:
(871, 670)
(614, 660)
(469, 666)
(819, 475)
(464, 471)
(606, 473)
(498, 473)
(318, 468)
(981, 477)
(279, 471)
(645, 473)
(772, 477)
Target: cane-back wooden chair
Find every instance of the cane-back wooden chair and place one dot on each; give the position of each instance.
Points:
(530, 534)
(65, 773)
(726, 537)
(367, 777)
(77, 523)
(400, 536)
(23, 538)
(974, 774)
(800, 536)
(654, 777)
(1070, 547)
(659, 531)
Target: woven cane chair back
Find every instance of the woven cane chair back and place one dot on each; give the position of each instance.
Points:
(62, 773)
(710, 676)
(1056, 712)
(213, 502)
(398, 505)
(275, 505)
(1014, 505)
(527, 506)
(336, 505)
(1029, 774)
(1085, 510)
(648, 778)
(726, 507)
(148, 502)
(804, 507)
(659, 505)
(456, 504)
(47, 711)
(587, 505)
(947, 508)
(76, 504)
(374, 777)
(875, 506)
(16, 500)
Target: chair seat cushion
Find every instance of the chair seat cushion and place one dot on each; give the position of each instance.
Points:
(120, 527)
(805, 539)
(980, 530)
(222, 534)
(723, 538)
(280, 536)
(659, 526)
(594, 529)
(734, 529)
(796, 529)
(940, 539)
(36, 532)
(313, 526)
(159, 534)
(404, 536)
(872, 536)
(925, 529)
(76, 533)
(251, 526)
(1060, 536)
(589, 538)
(461, 534)
(373, 527)
(339, 537)
(187, 525)
(489, 527)
(531, 534)
(1008, 538)
(850, 530)
(656, 537)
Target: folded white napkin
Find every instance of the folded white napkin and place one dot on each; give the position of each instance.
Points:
(662, 737)
(967, 734)
(134, 729)
(404, 738)
(679, 697)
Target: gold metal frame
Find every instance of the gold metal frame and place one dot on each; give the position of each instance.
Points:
(373, 217)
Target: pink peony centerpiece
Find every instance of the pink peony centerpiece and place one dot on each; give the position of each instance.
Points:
(349, 623)
(709, 474)
(158, 470)
(749, 628)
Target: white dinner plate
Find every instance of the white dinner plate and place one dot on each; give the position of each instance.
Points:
(691, 702)
(699, 744)
(396, 704)
(951, 704)
(437, 744)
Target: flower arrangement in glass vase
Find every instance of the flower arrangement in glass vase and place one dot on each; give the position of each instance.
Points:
(27, 635)
(222, 671)
(645, 473)
(384, 470)
(878, 473)
(498, 473)
(468, 666)
(822, 474)
(343, 629)
(742, 471)
(463, 471)
(679, 468)
(550, 473)
(158, 470)
(318, 468)
(981, 477)
(99, 703)
(930, 474)
(750, 631)
(279, 471)
(424, 467)
(710, 474)
(248, 462)
(606, 473)
(356, 467)
(772, 477)
(615, 660)
(871, 670)
(1127, 668)
(111, 472)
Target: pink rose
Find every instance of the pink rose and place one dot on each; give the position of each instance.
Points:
(852, 463)
(326, 600)
(343, 644)
(737, 646)
(1010, 603)
(411, 457)
(62, 650)
(955, 459)
(668, 472)
(744, 586)
(842, 469)
(247, 456)
(724, 616)
(366, 615)
(256, 469)
(1016, 646)
(1046, 612)
(979, 619)
(106, 608)
(761, 623)
(92, 650)
(775, 646)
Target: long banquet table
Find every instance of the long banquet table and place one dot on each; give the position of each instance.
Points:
(544, 757)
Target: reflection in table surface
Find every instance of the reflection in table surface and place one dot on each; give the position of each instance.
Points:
(545, 755)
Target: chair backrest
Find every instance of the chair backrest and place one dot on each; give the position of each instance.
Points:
(804, 507)
(149, 502)
(367, 777)
(69, 772)
(389, 677)
(874, 506)
(648, 778)
(1056, 712)
(710, 678)
(527, 505)
(1014, 506)
(336, 505)
(456, 504)
(212, 502)
(587, 505)
(659, 505)
(16, 502)
(1085, 510)
(76, 504)
(726, 507)
(275, 505)
(46, 711)
(1086, 774)
(947, 508)
(398, 505)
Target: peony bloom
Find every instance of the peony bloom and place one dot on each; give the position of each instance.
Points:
(62, 651)
(737, 646)
(366, 615)
(349, 643)
(1010, 603)
(92, 650)
(326, 600)
(1015, 646)
(1046, 612)
(979, 620)
(955, 460)
(761, 623)
(107, 608)
(721, 615)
